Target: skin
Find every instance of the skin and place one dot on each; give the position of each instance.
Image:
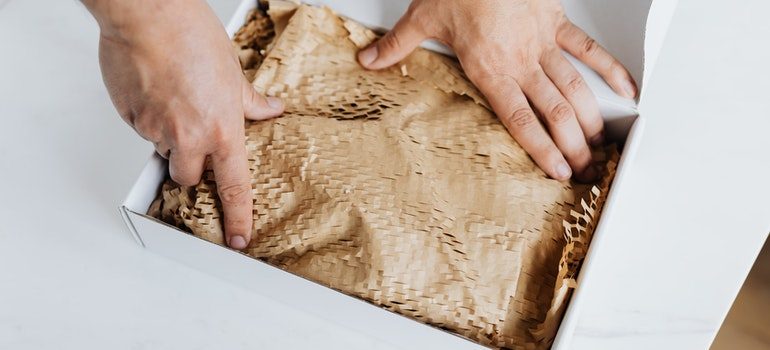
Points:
(173, 76)
(511, 50)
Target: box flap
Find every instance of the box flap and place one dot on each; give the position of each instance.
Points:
(658, 21)
(631, 30)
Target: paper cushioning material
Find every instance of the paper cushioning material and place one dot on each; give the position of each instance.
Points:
(399, 187)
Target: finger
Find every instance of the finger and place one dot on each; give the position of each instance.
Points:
(561, 121)
(511, 106)
(162, 149)
(398, 43)
(231, 173)
(571, 84)
(186, 168)
(257, 107)
(586, 49)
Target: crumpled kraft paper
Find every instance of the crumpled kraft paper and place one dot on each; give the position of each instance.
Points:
(399, 187)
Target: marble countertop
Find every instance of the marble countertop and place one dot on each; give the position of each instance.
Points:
(694, 217)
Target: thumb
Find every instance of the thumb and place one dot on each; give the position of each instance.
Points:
(394, 46)
(257, 107)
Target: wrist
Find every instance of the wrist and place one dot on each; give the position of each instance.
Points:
(119, 20)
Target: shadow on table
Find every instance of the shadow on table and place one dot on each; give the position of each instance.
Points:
(747, 325)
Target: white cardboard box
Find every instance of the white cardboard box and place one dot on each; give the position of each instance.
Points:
(633, 30)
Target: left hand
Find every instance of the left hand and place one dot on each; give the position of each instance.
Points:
(511, 50)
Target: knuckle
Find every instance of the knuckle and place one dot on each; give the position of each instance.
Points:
(219, 136)
(184, 143)
(390, 42)
(493, 65)
(183, 146)
(521, 118)
(589, 46)
(560, 113)
(481, 72)
(525, 63)
(144, 124)
(177, 139)
(126, 114)
(575, 84)
(234, 194)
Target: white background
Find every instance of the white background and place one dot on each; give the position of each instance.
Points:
(71, 277)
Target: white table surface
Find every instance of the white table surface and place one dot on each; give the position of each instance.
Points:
(71, 277)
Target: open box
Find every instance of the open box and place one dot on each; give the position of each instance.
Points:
(633, 30)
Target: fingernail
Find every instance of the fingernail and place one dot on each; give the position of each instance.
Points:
(237, 242)
(598, 139)
(274, 102)
(630, 88)
(368, 55)
(563, 171)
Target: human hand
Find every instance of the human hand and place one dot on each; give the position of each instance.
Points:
(173, 75)
(511, 50)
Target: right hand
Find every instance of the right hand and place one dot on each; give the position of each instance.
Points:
(173, 75)
(512, 51)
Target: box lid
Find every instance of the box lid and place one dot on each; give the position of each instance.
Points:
(631, 30)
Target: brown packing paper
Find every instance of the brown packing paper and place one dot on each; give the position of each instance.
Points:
(398, 187)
